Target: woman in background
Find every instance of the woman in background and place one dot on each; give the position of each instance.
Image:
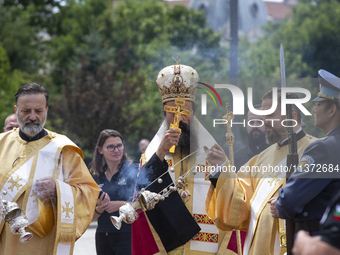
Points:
(116, 176)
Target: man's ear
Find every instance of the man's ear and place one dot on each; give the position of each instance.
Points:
(333, 109)
(15, 108)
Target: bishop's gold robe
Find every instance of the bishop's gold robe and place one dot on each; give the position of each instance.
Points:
(206, 241)
(48, 232)
(239, 201)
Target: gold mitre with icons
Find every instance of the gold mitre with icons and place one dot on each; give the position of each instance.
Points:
(177, 81)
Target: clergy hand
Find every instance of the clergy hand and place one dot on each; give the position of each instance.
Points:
(272, 203)
(169, 139)
(216, 156)
(103, 200)
(46, 189)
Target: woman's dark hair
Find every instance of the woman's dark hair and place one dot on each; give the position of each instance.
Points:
(98, 164)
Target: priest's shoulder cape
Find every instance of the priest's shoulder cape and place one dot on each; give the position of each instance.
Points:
(55, 227)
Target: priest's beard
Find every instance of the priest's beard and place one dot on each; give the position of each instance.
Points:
(256, 140)
(275, 135)
(185, 144)
(31, 130)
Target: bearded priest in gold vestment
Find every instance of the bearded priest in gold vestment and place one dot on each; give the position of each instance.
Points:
(45, 174)
(240, 201)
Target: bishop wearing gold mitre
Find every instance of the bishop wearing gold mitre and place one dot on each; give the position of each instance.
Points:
(179, 224)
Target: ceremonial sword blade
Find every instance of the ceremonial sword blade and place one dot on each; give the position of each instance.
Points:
(292, 157)
(282, 67)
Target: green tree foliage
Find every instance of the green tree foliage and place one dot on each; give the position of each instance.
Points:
(317, 35)
(107, 98)
(92, 103)
(41, 11)
(102, 57)
(5, 88)
(21, 52)
(10, 82)
(72, 24)
(111, 57)
(102, 60)
(153, 31)
(310, 39)
(20, 39)
(152, 23)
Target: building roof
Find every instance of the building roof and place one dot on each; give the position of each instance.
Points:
(278, 10)
(171, 3)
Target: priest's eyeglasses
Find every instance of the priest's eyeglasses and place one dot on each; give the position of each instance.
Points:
(119, 147)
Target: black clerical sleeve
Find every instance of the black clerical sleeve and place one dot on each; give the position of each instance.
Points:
(170, 218)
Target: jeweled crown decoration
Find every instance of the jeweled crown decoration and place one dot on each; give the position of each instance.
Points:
(177, 81)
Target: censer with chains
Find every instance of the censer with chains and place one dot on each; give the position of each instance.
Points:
(147, 200)
(16, 219)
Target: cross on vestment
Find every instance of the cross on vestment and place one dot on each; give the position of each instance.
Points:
(180, 102)
(35, 195)
(274, 178)
(67, 210)
(205, 169)
(15, 183)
